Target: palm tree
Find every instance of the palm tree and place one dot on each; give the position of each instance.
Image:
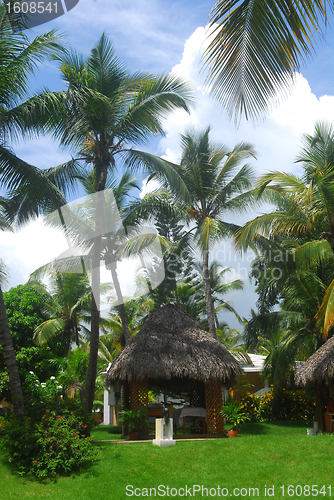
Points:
(305, 213)
(206, 187)
(103, 111)
(255, 47)
(218, 287)
(67, 306)
(18, 59)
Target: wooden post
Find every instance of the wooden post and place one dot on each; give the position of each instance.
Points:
(213, 405)
(139, 397)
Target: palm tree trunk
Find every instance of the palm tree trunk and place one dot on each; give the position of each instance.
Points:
(10, 359)
(208, 296)
(121, 307)
(95, 306)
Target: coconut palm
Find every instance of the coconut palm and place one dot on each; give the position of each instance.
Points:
(18, 58)
(67, 306)
(255, 48)
(219, 287)
(103, 111)
(206, 187)
(305, 213)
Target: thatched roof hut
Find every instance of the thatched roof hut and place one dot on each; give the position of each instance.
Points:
(172, 344)
(319, 367)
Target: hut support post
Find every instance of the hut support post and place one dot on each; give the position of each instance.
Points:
(322, 397)
(139, 397)
(213, 404)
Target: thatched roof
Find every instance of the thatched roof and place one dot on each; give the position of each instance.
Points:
(172, 344)
(318, 367)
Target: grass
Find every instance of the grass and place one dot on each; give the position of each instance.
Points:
(267, 454)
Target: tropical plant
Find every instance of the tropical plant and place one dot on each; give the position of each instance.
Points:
(19, 58)
(219, 287)
(67, 306)
(104, 110)
(134, 419)
(305, 213)
(255, 48)
(234, 414)
(207, 186)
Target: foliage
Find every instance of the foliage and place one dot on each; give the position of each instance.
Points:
(207, 186)
(73, 376)
(292, 405)
(256, 47)
(67, 306)
(41, 358)
(55, 444)
(51, 436)
(25, 311)
(133, 418)
(234, 414)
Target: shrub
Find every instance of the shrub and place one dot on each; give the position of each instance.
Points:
(51, 436)
(290, 405)
(251, 405)
(56, 444)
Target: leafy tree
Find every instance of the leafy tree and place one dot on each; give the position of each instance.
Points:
(104, 110)
(25, 311)
(19, 57)
(255, 48)
(305, 213)
(177, 256)
(206, 187)
(67, 307)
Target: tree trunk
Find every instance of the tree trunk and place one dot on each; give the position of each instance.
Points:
(120, 300)
(10, 359)
(208, 296)
(95, 306)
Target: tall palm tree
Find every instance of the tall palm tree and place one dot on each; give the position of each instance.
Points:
(103, 111)
(18, 59)
(305, 213)
(219, 288)
(67, 305)
(206, 186)
(255, 48)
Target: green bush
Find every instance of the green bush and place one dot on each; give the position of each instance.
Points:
(56, 444)
(51, 436)
(289, 405)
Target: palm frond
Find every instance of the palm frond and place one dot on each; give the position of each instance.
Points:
(254, 49)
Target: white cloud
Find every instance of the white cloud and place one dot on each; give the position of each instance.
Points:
(29, 248)
(147, 187)
(277, 138)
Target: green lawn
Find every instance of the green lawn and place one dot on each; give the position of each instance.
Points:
(279, 454)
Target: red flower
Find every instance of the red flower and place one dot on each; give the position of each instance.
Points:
(36, 462)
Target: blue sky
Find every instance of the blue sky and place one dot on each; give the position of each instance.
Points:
(158, 36)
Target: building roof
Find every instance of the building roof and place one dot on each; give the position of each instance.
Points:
(257, 363)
